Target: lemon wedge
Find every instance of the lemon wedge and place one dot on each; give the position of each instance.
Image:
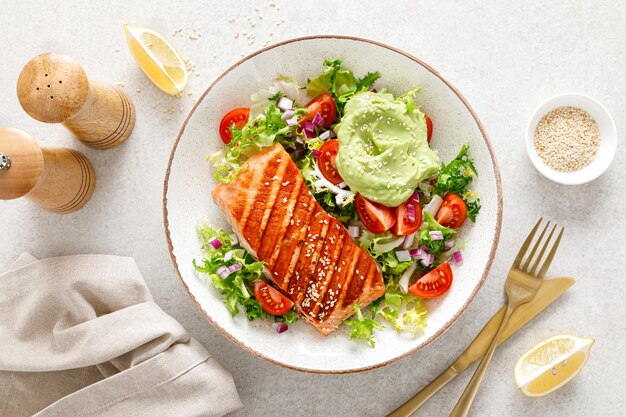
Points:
(551, 364)
(157, 58)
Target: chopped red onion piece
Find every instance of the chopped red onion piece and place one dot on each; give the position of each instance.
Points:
(416, 253)
(415, 197)
(288, 114)
(292, 122)
(316, 153)
(373, 90)
(458, 257)
(435, 235)
(222, 269)
(354, 231)
(308, 134)
(408, 240)
(318, 120)
(309, 127)
(282, 327)
(403, 255)
(215, 242)
(235, 267)
(284, 103)
(228, 256)
(433, 206)
(410, 208)
(425, 249)
(449, 244)
(342, 184)
(235, 240)
(428, 260)
(299, 140)
(325, 135)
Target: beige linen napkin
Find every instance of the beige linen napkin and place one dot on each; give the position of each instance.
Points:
(81, 336)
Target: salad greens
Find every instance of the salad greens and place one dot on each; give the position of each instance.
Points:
(269, 124)
(456, 177)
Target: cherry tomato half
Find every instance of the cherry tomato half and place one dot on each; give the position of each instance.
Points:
(404, 225)
(238, 117)
(325, 106)
(429, 128)
(326, 161)
(452, 212)
(272, 300)
(433, 283)
(376, 217)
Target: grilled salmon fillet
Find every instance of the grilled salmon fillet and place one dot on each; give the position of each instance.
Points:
(308, 254)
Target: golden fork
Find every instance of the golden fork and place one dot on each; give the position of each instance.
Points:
(521, 286)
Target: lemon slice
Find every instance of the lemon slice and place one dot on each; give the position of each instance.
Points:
(157, 58)
(551, 364)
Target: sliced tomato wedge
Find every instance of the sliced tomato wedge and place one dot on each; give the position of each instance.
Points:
(404, 225)
(326, 161)
(452, 212)
(429, 128)
(237, 117)
(434, 283)
(376, 217)
(271, 299)
(325, 106)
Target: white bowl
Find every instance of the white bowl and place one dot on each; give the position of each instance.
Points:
(608, 139)
(189, 182)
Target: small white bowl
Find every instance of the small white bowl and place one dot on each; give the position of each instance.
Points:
(608, 138)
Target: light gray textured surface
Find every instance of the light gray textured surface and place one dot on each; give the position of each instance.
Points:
(504, 59)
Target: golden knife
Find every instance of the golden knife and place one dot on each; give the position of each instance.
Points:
(549, 291)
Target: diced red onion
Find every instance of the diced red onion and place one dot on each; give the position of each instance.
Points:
(318, 120)
(427, 261)
(325, 135)
(457, 256)
(415, 197)
(221, 270)
(435, 235)
(410, 208)
(215, 242)
(354, 231)
(449, 244)
(282, 327)
(433, 206)
(299, 140)
(292, 122)
(373, 90)
(416, 253)
(342, 184)
(284, 103)
(316, 153)
(288, 114)
(235, 267)
(308, 134)
(234, 239)
(408, 240)
(425, 249)
(403, 256)
(309, 127)
(228, 256)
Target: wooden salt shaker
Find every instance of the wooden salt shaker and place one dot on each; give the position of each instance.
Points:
(54, 88)
(57, 179)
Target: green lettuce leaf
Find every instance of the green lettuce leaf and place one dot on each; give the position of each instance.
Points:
(362, 328)
(404, 311)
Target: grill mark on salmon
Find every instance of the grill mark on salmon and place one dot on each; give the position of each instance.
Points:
(280, 217)
(291, 245)
(308, 254)
(327, 264)
(264, 202)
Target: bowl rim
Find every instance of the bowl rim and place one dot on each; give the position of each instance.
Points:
(450, 322)
(543, 168)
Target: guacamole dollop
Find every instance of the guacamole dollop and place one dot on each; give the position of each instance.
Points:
(383, 147)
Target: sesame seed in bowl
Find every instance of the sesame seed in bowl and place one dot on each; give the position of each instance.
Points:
(571, 139)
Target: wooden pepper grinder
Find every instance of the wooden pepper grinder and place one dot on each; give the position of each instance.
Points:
(54, 88)
(57, 179)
